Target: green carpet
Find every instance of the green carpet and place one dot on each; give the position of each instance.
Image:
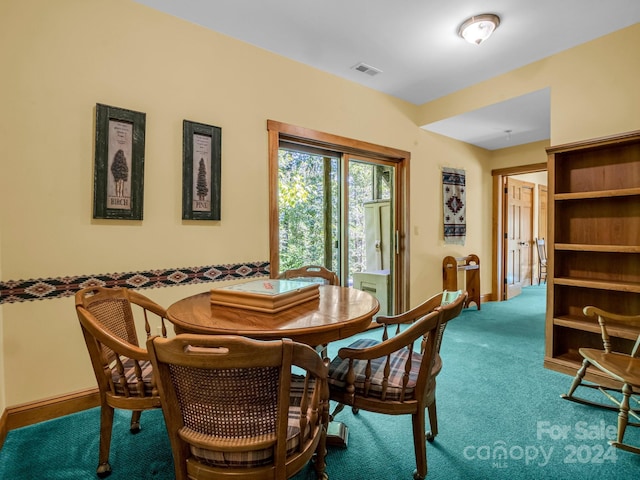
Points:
(500, 417)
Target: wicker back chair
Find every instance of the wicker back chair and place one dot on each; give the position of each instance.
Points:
(122, 368)
(311, 272)
(234, 409)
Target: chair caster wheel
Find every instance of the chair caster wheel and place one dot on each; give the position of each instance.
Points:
(417, 476)
(430, 436)
(135, 428)
(104, 470)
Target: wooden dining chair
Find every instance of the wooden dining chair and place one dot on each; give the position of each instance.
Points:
(311, 272)
(234, 409)
(390, 376)
(620, 368)
(451, 305)
(108, 318)
(542, 260)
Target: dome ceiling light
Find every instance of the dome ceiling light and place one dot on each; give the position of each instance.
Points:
(479, 27)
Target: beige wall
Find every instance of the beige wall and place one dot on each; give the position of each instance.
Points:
(528, 154)
(3, 396)
(75, 54)
(593, 89)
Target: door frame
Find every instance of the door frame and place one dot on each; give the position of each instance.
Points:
(400, 159)
(497, 270)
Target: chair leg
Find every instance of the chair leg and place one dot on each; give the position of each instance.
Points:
(623, 416)
(106, 425)
(433, 422)
(419, 444)
(577, 380)
(135, 421)
(319, 463)
(339, 407)
(323, 350)
(623, 420)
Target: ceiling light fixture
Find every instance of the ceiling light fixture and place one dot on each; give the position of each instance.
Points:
(479, 27)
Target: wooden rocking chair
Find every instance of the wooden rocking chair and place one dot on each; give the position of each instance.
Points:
(620, 368)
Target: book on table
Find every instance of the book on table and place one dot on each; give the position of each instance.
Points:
(269, 295)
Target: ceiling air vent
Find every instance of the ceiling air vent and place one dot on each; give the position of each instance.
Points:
(368, 69)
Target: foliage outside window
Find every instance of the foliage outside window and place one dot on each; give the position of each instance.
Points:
(304, 200)
(308, 207)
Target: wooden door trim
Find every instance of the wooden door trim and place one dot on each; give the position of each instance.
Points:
(400, 159)
(497, 269)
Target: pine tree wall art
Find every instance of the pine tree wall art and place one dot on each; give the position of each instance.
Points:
(201, 171)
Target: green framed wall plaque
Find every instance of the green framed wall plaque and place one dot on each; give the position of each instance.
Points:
(201, 159)
(119, 163)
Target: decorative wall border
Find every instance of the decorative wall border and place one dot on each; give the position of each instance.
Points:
(48, 288)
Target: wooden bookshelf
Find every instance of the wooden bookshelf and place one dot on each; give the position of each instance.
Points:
(593, 244)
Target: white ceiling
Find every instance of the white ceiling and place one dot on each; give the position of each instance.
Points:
(415, 45)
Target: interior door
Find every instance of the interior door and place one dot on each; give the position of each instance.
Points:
(518, 236)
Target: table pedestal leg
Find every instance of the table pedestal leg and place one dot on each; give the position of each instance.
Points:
(337, 434)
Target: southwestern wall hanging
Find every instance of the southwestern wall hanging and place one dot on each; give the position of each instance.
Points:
(201, 153)
(454, 197)
(119, 163)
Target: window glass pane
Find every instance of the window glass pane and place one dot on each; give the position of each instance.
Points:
(361, 188)
(308, 209)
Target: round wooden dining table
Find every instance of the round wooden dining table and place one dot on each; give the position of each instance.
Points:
(338, 312)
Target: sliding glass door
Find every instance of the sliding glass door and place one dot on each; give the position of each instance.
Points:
(335, 210)
(341, 204)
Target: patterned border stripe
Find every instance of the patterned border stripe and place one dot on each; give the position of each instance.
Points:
(46, 288)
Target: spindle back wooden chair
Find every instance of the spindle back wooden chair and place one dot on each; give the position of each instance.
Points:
(451, 305)
(311, 272)
(542, 260)
(390, 376)
(621, 371)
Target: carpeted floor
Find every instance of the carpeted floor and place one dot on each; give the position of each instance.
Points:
(500, 417)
